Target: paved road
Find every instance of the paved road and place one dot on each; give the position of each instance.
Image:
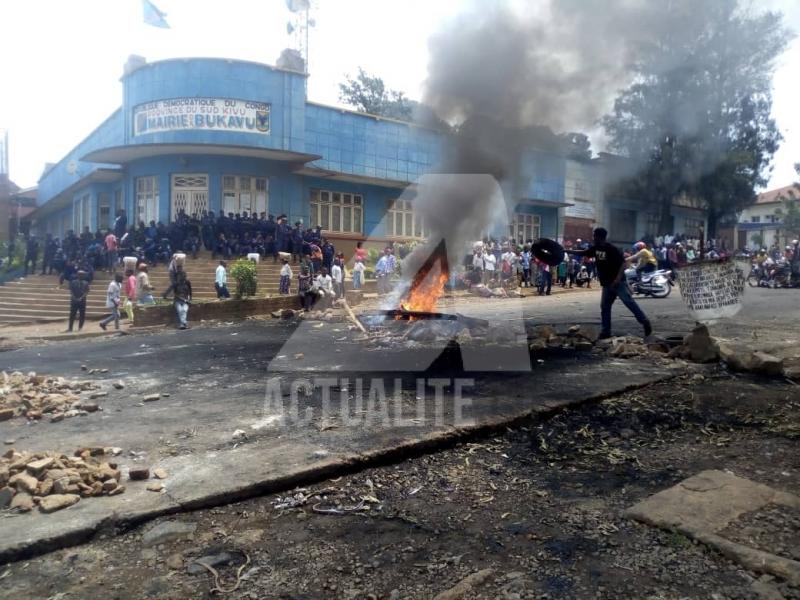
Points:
(218, 376)
(773, 314)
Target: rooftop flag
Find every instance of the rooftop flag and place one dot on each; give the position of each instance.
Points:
(153, 16)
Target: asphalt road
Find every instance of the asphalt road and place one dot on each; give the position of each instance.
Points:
(218, 379)
(219, 372)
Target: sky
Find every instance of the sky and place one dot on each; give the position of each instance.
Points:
(61, 60)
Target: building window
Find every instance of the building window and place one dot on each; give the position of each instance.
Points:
(81, 213)
(403, 221)
(146, 199)
(755, 219)
(652, 224)
(337, 212)
(104, 220)
(242, 194)
(524, 227)
(118, 206)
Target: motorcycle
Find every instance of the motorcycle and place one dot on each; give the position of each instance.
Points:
(758, 276)
(656, 284)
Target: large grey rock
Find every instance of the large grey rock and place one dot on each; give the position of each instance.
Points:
(6, 494)
(736, 357)
(168, 531)
(24, 482)
(55, 502)
(23, 502)
(701, 346)
(791, 368)
(589, 332)
(766, 364)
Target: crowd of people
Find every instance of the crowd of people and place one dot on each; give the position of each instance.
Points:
(492, 264)
(505, 262)
(228, 236)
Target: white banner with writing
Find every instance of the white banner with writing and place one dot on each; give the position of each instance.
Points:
(217, 114)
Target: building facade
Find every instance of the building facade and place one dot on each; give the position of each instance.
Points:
(759, 226)
(233, 136)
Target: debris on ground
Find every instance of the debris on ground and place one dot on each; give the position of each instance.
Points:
(54, 481)
(548, 518)
(36, 397)
(699, 346)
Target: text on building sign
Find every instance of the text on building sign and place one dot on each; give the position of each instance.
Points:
(218, 114)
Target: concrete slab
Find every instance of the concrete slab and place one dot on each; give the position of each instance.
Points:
(190, 433)
(707, 503)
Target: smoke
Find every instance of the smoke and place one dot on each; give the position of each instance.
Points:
(505, 79)
(509, 77)
(553, 63)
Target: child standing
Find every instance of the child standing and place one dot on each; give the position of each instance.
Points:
(358, 274)
(286, 277)
(337, 274)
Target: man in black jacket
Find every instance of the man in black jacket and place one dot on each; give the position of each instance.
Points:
(50, 247)
(611, 272)
(31, 254)
(78, 292)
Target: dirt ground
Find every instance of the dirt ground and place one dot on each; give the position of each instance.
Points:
(541, 506)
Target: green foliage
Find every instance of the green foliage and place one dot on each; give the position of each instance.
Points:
(757, 239)
(697, 120)
(678, 540)
(369, 94)
(576, 146)
(373, 254)
(403, 249)
(18, 258)
(245, 273)
(789, 213)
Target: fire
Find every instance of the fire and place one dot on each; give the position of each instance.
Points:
(428, 284)
(424, 294)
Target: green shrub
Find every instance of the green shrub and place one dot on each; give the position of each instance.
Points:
(18, 259)
(373, 254)
(245, 273)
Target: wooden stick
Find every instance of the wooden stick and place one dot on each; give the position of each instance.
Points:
(352, 316)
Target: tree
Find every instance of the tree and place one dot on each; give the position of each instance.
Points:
(697, 118)
(576, 146)
(370, 95)
(789, 213)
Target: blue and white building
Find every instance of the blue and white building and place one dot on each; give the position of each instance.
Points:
(229, 135)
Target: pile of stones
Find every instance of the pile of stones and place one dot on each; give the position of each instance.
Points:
(53, 481)
(577, 337)
(36, 396)
(699, 346)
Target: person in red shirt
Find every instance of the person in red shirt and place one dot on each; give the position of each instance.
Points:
(112, 244)
(130, 292)
(361, 253)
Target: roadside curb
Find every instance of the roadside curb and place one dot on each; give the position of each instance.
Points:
(233, 475)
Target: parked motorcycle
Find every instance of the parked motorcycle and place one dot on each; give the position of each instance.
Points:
(757, 277)
(656, 284)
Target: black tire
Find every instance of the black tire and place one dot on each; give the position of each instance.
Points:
(752, 280)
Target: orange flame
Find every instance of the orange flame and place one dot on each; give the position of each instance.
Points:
(429, 281)
(425, 292)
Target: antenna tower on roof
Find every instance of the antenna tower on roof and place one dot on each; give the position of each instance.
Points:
(299, 25)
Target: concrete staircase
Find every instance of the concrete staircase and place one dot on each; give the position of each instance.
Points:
(38, 298)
